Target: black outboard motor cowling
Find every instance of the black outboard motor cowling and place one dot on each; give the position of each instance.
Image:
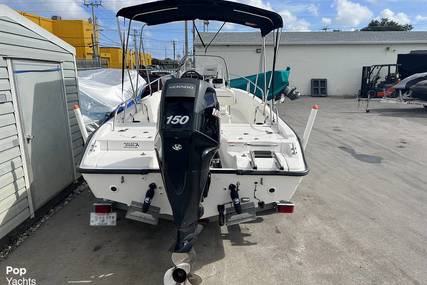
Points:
(187, 139)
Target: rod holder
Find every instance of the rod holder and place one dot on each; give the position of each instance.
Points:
(310, 125)
(148, 197)
(80, 122)
(221, 215)
(234, 194)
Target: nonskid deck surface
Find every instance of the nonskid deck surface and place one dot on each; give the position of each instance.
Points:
(249, 141)
(131, 146)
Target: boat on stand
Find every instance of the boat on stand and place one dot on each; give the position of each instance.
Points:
(197, 149)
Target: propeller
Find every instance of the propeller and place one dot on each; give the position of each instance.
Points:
(194, 279)
(180, 276)
(181, 272)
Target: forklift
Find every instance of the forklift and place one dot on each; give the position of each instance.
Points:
(378, 81)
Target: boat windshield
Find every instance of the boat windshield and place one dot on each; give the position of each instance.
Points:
(211, 67)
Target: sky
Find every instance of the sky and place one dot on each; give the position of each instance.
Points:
(298, 15)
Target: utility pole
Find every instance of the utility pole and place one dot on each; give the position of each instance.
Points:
(194, 48)
(206, 26)
(174, 46)
(137, 61)
(186, 40)
(95, 43)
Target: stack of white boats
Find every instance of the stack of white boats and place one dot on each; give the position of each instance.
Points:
(197, 149)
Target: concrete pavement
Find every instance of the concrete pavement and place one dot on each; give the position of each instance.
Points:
(361, 217)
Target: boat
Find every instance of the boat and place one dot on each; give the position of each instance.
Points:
(419, 90)
(413, 90)
(100, 93)
(197, 149)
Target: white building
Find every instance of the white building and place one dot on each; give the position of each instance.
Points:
(40, 141)
(335, 56)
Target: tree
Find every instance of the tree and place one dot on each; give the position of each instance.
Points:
(386, 24)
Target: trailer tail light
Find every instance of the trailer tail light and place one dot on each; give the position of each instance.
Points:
(103, 208)
(285, 207)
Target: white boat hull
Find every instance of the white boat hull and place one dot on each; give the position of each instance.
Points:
(132, 188)
(120, 162)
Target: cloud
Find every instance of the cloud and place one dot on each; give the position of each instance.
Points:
(257, 3)
(292, 23)
(420, 18)
(313, 9)
(400, 18)
(229, 26)
(351, 14)
(73, 9)
(375, 2)
(326, 21)
(115, 5)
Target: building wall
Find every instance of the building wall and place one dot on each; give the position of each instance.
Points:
(341, 65)
(19, 41)
(41, 21)
(114, 57)
(14, 202)
(77, 33)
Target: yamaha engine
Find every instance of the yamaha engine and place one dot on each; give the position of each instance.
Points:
(187, 139)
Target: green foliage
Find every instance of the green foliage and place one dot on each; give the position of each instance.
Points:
(386, 25)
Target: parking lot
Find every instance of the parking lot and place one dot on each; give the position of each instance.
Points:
(360, 218)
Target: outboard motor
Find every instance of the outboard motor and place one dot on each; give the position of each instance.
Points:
(187, 139)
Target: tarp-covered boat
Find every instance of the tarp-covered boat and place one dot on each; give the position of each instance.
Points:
(100, 91)
(281, 78)
(419, 90)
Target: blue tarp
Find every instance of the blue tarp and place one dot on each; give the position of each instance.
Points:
(281, 80)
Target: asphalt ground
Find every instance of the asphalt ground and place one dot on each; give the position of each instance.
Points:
(360, 217)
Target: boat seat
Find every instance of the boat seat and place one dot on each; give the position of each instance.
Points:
(226, 96)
